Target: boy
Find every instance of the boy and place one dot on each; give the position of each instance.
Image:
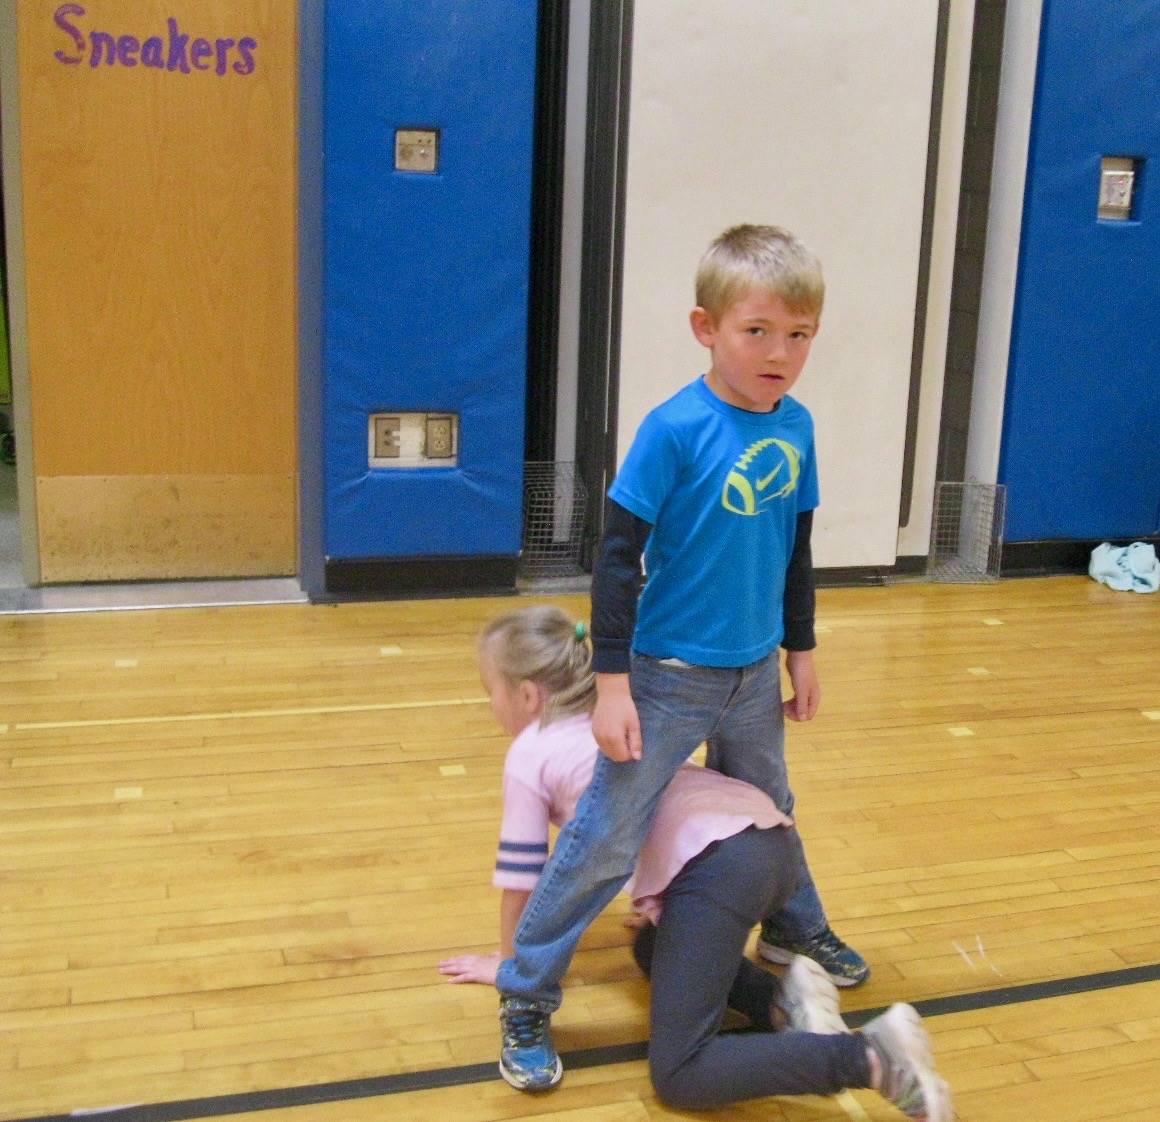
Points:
(717, 492)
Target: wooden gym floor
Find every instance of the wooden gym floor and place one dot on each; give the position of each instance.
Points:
(235, 841)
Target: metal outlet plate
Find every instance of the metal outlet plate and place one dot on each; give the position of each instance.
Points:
(439, 442)
(412, 440)
(417, 150)
(386, 432)
(1117, 187)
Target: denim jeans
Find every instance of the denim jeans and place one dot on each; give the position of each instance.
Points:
(737, 711)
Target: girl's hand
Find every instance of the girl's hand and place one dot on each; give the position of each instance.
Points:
(471, 968)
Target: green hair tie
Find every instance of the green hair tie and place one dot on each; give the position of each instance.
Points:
(581, 631)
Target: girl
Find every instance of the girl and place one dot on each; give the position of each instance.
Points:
(717, 858)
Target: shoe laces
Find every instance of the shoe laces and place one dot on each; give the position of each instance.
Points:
(827, 940)
(523, 1026)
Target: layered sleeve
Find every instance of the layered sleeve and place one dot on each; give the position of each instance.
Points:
(616, 581)
(800, 596)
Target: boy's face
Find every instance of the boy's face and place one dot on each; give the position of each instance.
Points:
(759, 348)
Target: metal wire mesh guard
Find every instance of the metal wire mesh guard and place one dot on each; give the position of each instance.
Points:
(966, 532)
(555, 502)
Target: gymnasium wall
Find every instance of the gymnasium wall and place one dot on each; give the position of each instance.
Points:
(1081, 430)
(813, 115)
(158, 174)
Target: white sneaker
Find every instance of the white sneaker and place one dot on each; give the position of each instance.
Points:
(909, 1079)
(809, 998)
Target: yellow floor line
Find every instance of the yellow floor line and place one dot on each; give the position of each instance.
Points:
(245, 714)
(852, 1107)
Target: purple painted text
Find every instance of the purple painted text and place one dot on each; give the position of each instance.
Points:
(176, 51)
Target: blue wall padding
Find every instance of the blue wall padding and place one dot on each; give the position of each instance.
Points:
(1081, 439)
(426, 276)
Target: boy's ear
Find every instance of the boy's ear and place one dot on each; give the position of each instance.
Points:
(703, 327)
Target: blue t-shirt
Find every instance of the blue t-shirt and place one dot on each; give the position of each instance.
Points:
(722, 489)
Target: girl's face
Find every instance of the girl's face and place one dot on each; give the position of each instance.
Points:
(515, 704)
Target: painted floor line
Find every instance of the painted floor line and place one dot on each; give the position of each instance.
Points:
(249, 714)
(381, 1086)
(852, 1107)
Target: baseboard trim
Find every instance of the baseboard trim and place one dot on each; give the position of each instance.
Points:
(416, 577)
(1055, 556)
(401, 578)
(859, 576)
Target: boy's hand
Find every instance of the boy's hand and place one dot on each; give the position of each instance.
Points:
(807, 691)
(471, 968)
(615, 723)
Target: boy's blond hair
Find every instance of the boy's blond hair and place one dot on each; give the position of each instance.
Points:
(759, 257)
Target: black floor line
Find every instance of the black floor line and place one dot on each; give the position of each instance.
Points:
(379, 1086)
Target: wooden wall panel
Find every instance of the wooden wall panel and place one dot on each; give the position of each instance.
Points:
(148, 527)
(160, 236)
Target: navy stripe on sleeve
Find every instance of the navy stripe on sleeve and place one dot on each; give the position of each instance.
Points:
(523, 847)
(518, 867)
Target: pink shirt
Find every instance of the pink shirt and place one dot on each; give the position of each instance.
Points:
(545, 773)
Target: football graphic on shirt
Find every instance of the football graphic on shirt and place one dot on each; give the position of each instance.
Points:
(766, 470)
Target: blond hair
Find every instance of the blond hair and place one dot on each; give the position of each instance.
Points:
(543, 646)
(762, 257)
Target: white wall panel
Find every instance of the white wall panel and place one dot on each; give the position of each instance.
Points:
(914, 537)
(812, 114)
(1004, 229)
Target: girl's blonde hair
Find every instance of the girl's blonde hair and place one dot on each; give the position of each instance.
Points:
(542, 645)
(766, 258)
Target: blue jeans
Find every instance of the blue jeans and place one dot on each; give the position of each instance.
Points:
(737, 711)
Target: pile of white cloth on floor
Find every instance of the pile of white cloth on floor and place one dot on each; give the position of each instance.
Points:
(1126, 567)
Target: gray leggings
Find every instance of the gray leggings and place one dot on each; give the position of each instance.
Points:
(695, 960)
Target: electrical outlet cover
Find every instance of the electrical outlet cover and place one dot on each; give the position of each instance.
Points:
(440, 438)
(385, 434)
(412, 440)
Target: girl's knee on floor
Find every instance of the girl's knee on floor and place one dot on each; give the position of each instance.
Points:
(680, 1088)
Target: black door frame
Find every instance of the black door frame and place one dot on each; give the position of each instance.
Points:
(602, 260)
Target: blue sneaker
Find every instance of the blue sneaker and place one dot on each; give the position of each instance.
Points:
(845, 966)
(528, 1060)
